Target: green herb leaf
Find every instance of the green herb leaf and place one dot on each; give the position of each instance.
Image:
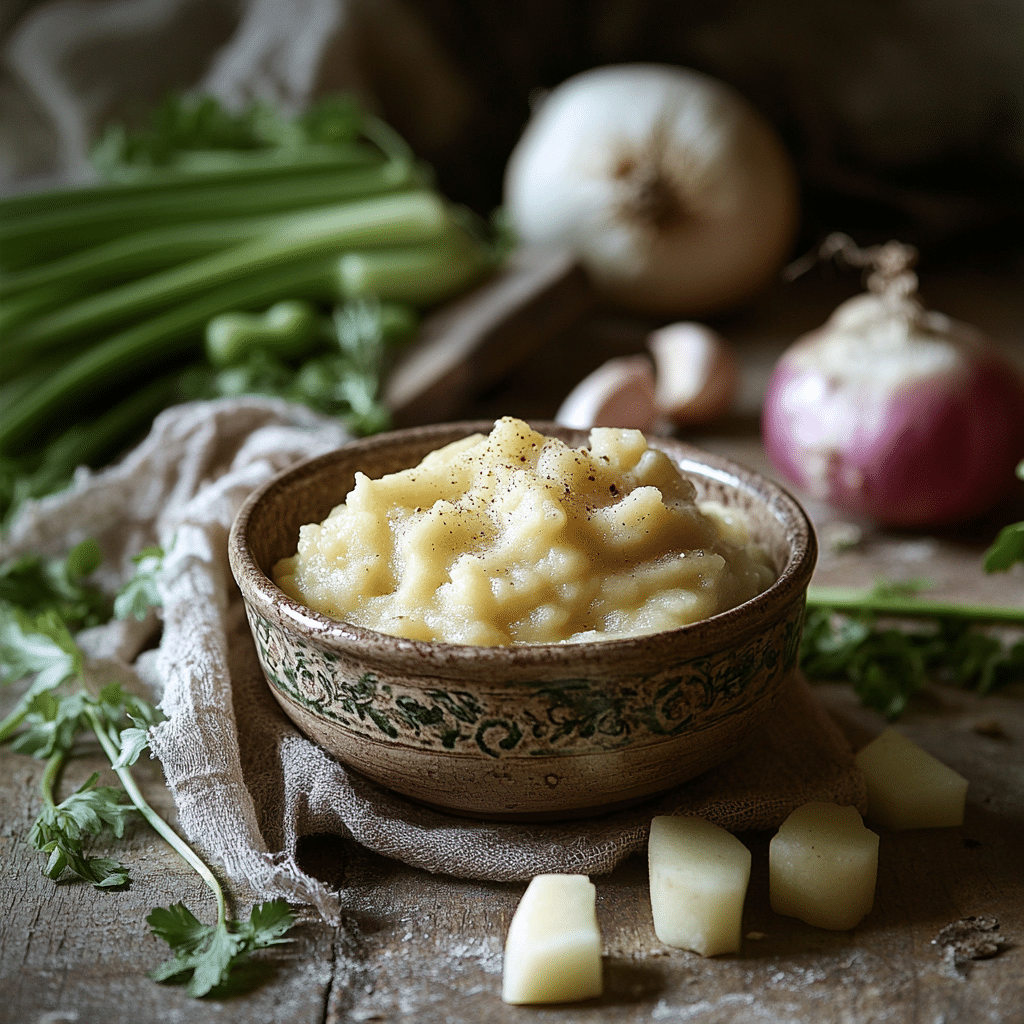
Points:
(140, 593)
(61, 831)
(347, 384)
(114, 706)
(41, 645)
(206, 956)
(100, 872)
(830, 643)
(886, 670)
(133, 742)
(268, 924)
(886, 666)
(332, 120)
(181, 124)
(37, 585)
(344, 382)
(1007, 549)
(51, 724)
(178, 927)
(88, 810)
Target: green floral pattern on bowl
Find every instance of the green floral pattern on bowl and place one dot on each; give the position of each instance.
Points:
(562, 716)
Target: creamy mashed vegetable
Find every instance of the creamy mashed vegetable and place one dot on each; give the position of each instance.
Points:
(516, 538)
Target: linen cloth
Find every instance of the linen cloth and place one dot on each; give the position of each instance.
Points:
(246, 783)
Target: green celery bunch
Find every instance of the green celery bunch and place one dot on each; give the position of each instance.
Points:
(107, 290)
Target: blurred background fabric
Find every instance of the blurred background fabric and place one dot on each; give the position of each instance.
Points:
(902, 116)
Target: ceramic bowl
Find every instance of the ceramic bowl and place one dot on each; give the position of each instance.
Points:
(527, 732)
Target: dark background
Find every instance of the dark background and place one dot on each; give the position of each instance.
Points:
(904, 118)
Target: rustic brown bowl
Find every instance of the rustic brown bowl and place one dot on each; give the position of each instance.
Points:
(529, 732)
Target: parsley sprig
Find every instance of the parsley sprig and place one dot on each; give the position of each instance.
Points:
(42, 601)
(206, 955)
(844, 639)
(886, 664)
(140, 593)
(60, 830)
(36, 584)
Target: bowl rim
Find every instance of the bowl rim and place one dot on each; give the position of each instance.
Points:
(606, 657)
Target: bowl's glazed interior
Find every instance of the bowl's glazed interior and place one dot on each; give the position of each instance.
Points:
(533, 731)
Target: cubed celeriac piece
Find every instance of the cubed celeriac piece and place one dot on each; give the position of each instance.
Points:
(699, 875)
(907, 787)
(553, 948)
(823, 863)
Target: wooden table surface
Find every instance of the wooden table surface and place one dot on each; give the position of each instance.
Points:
(428, 949)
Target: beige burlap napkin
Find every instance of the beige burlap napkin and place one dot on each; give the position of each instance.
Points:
(248, 785)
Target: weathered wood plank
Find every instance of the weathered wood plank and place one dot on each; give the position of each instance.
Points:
(428, 949)
(70, 949)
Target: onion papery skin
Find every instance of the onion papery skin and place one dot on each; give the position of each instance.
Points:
(931, 451)
(674, 194)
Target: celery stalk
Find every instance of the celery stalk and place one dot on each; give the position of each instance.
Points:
(130, 354)
(421, 274)
(910, 606)
(20, 309)
(197, 168)
(71, 225)
(384, 220)
(136, 254)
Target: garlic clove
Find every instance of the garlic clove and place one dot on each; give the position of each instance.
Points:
(619, 393)
(697, 373)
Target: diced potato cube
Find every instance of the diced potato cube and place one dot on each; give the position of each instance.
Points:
(907, 787)
(699, 875)
(553, 949)
(822, 866)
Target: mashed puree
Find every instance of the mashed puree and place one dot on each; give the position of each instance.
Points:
(516, 538)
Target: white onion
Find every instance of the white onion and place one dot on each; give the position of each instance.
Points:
(896, 414)
(675, 195)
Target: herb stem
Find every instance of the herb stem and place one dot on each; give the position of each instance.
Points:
(48, 783)
(843, 599)
(178, 844)
(12, 721)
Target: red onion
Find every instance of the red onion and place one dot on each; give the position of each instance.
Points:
(895, 413)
